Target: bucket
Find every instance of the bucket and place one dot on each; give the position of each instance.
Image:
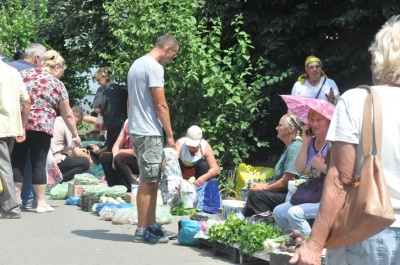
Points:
(231, 206)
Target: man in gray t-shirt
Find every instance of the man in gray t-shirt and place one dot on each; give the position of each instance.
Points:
(148, 114)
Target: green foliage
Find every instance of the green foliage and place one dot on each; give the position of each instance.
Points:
(19, 23)
(220, 88)
(249, 236)
(235, 58)
(252, 236)
(227, 232)
(180, 210)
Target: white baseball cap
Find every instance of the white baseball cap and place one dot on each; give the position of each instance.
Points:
(194, 136)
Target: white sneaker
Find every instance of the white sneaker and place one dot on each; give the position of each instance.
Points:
(44, 209)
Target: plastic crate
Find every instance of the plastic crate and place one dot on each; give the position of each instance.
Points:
(87, 201)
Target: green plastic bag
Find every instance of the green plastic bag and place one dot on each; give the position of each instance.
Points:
(96, 190)
(116, 191)
(59, 192)
(85, 179)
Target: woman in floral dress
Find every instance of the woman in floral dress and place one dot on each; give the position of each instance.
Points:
(48, 95)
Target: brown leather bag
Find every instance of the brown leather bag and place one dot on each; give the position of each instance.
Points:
(368, 209)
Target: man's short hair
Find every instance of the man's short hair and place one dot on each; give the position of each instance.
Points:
(167, 40)
(78, 111)
(34, 49)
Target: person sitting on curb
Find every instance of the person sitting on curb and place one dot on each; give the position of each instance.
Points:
(70, 159)
(121, 163)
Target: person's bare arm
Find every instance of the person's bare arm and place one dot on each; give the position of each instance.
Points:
(300, 163)
(26, 106)
(69, 119)
(337, 183)
(78, 152)
(163, 113)
(279, 185)
(89, 119)
(212, 163)
(119, 143)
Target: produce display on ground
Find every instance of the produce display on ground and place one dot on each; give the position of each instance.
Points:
(249, 236)
(286, 243)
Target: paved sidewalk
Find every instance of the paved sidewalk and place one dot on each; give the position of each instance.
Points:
(73, 237)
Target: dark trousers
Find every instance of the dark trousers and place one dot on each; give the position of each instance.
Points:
(263, 201)
(112, 136)
(125, 166)
(73, 165)
(38, 145)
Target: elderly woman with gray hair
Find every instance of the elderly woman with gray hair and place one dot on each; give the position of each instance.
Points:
(48, 94)
(265, 197)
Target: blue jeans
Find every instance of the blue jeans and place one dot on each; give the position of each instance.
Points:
(381, 249)
(28, 196)
(289, 217)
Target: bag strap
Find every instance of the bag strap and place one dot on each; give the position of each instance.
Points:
(321, 87)
(372, 123)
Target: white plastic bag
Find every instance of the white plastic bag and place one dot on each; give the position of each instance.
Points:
(125, 216)
(188, 195)
(54, 175)
(99, 124)
(171, 180)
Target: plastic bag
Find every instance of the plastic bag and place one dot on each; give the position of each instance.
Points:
(85, 179)
(246, 173)
(96, 170)
(208, 197)
(59, 192)
(187, 233)
(163, 214)
(116, 191)
(72, 200)
(96, 190)
(113, 205)
(125, 216)
(189, 195)
(54, 175)
(171, 180)
(99, 124)
(1, 185)
(107, 213)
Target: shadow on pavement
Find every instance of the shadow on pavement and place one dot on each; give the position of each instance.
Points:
(103, 235)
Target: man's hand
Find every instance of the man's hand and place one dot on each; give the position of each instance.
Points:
(330, 97)
(20, 139)
(258, 186)
(307, 254)
(170, 142)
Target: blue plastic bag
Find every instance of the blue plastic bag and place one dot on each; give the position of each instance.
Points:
(72, 200)
(113, 205)
(187, 233)
(208, 197)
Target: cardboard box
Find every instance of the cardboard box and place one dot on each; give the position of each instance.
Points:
(76, 190)
(130, 198)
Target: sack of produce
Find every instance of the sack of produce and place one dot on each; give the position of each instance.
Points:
(59, 192)
(85, 179)
(116, 191)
